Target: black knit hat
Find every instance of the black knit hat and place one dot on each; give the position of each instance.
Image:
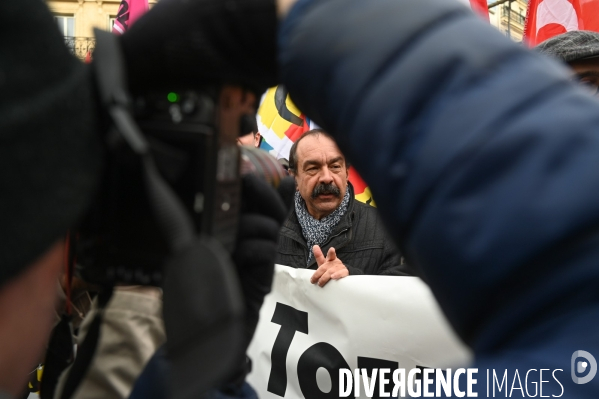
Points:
(571, 46)
(50, 157)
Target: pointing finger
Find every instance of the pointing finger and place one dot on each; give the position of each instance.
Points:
(318, 255)
(331, 255)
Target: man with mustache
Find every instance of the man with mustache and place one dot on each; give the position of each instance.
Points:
(326, 218)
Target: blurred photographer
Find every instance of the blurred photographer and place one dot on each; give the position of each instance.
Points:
(50, 164)
(52, 128)
(132, 326)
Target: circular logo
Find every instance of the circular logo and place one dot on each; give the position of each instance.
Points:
(555, 17)
(581, 366)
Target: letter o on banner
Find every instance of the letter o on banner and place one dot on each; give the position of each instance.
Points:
(317, 356)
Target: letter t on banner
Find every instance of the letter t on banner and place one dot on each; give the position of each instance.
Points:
(290, 320)
(129, 11)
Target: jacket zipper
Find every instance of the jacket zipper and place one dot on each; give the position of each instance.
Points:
(329, 240)
(336, 235)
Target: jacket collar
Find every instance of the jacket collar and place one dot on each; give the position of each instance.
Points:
(292, 228)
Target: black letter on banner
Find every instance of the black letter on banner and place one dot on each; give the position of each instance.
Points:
(317, 356)
(371, 363)
(290, 320)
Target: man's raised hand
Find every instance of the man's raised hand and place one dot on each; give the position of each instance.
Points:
(329, 268)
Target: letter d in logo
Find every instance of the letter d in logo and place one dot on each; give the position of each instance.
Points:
(581, 366)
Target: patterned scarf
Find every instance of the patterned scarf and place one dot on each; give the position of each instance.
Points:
(316, 232)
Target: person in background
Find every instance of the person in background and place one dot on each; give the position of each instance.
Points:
(328, 230)
(249, 130)
(252, 139)
(580, 50)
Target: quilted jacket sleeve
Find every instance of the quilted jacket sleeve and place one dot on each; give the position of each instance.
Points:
(393, 264)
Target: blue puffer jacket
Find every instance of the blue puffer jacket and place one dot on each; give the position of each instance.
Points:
(484, 160)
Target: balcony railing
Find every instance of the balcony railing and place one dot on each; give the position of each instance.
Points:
(80, 46)
(514, 17)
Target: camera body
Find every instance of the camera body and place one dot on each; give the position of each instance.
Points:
(192, 139)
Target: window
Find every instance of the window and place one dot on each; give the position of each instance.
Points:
(111, 23)
(66, 25)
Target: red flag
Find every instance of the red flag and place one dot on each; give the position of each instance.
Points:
(590, 14)
(480, 6)
(129, 11)
(548, 18)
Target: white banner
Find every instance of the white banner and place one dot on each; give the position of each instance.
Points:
(307, 333)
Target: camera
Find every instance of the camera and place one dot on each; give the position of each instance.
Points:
(194, 151)
(187, 178)
(192, 135)
(166, 214)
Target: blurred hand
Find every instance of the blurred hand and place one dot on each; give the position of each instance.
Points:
(329, 268)
(262, 215)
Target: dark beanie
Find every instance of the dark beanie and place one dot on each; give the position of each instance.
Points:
(50, 155)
